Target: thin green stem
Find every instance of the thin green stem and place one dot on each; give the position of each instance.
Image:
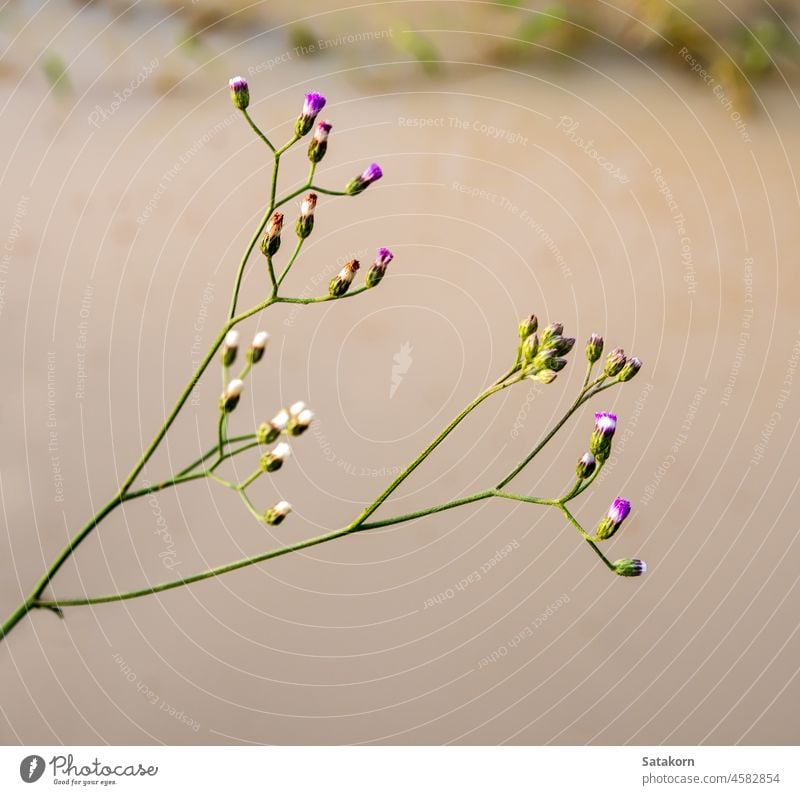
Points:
(583, 396)
(370, 509)
(289, 264)
(205, 575)
(250, 479)
(257, 130)
(586, 537)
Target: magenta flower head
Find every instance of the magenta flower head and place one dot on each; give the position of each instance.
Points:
(630, 567)
(600, 443)
(372, 173)
(319, 142)
(240, 93)
(611, 522)
(313, 104)
(378, 268)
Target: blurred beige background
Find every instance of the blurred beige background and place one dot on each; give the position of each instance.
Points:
(677, 240)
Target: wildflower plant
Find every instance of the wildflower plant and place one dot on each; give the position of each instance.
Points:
(540, 355)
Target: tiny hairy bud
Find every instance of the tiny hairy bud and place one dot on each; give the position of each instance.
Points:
(257, 347)
(544, 376)
(240, 92)
(528, 326)
(230, 348)
(551, 331)
(630, 567)
(312, 105)
(594, 348)
(230, 397)
(615, 361)
(272, 237)
(299, 422)
(340, 283)
(631, 367)
(605, 424)
(586, 466)
(305, 223)
(377, 270)
(530, 348)
(277, 513)
(319, 142)
(611, 522)
(273, 461)
(372, 173)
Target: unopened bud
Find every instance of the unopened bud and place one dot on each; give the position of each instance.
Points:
(277, 513)
(594, 348)
(259, 344)
(319, 142)
(611, 522)
(605, 424)
(273, 461)
(377, 270)
(240, 93)
(632, 366)
(299, 422)
(272, 237)
(586, 466)
(550, 331)
(530, 348)
(268, 432)
(527, 327)
(615, 361)
(312, 105)
(305, 223)
(340, 283)
(372, 173)
(562, 345)
(230, 347)
(230, 397)
(630, 567)
(544, 376)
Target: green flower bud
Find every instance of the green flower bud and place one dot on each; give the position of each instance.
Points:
(230, 397)
(594, 348)
(630, 567)
(230, 347)
(632, 366)
(530, 347)
(615, 361)
(272, 237)
(340, 283)
(527, 327)
(273, 461)
(277, 513)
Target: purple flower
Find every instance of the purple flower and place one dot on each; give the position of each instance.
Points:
(586, 466)
(378, 268)
(240, 93)
(372, 173)
(610, 523)
(312, 105)
(319, 142)
(619, 511)
(605, 423)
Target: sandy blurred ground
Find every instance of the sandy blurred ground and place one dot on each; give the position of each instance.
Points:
(678, 241)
